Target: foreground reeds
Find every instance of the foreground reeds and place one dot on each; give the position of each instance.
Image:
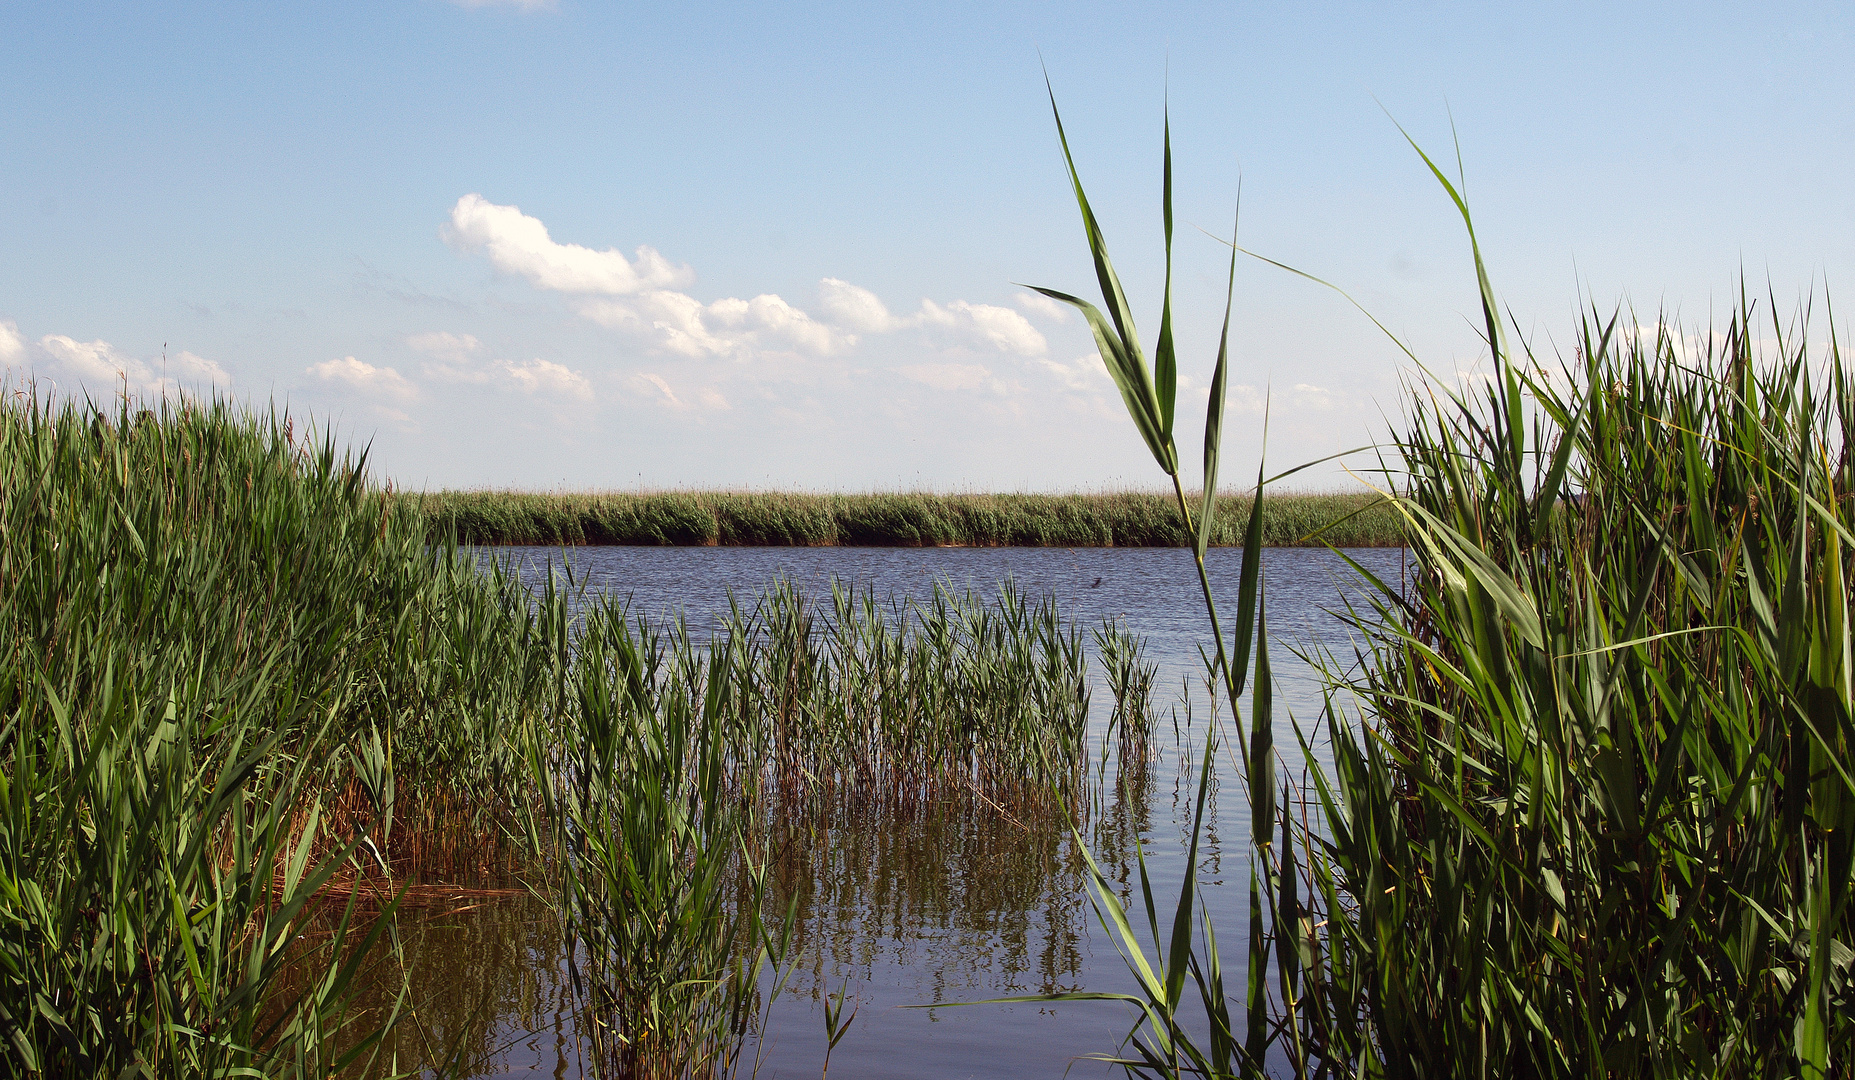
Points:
(1594, 817)
(225, 663)
(697, 518)
(1599, 821)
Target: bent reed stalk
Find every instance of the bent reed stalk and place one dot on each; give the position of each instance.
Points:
(776, 519)
(245, 705)
(1594, 815)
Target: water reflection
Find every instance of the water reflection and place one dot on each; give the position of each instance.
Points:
(986, 898)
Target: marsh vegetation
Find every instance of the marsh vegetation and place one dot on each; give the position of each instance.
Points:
(916, 519)
(251, 711)
(1589, 803)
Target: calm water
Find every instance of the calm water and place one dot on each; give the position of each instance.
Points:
(958, 903)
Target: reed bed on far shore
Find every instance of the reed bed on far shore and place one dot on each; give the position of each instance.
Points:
(914, 519)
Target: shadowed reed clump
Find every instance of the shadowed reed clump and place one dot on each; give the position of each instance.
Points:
(1596, 816)
(1121, 519)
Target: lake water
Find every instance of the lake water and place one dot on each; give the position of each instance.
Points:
(957, 904)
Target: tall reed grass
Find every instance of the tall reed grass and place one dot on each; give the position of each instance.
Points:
(1598, 822)
(227, 663)
(1593, 816)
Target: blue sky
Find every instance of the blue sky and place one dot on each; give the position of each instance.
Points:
(583, 245)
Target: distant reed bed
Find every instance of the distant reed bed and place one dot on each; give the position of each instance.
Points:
(916, 519)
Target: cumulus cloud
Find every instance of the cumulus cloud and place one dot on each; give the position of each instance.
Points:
(682, 324)
(1042, 306)
(12, 346)
(359, 375)
(859, 309)
(1003, 328)
(1084, 374)
(1309, 396)
(453, 348)
(100, 366)
(661, 385)
(544, 376)
(642, 295)
(448, 356)
(516, 243)
(855, 307)
(655, 387)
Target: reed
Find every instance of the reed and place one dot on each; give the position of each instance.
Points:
(698, 518)
(683, 767)
(1606, 783)
(950, 691)
(1593, 817)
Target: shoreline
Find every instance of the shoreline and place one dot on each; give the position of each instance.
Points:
(790, 519)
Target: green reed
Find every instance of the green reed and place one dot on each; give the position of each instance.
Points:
(685, 764)
(916, 519)
(1593, 818)
(951, 690)
(1598, 823)
(681, 761)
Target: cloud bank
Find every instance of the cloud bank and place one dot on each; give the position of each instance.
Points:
(643, 297)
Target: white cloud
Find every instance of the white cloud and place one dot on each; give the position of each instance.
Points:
(857, 308)
(360, 375)
(954, 377)
(518, 244)
(1308, 396)
(1002, 327)
(100, 367)
(641, 296)
(1245, 398)
(652, 385)
(448, 356)
(647, 381)
(1042, 306)
(548, 377)
(12, 346)
(730, 327)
